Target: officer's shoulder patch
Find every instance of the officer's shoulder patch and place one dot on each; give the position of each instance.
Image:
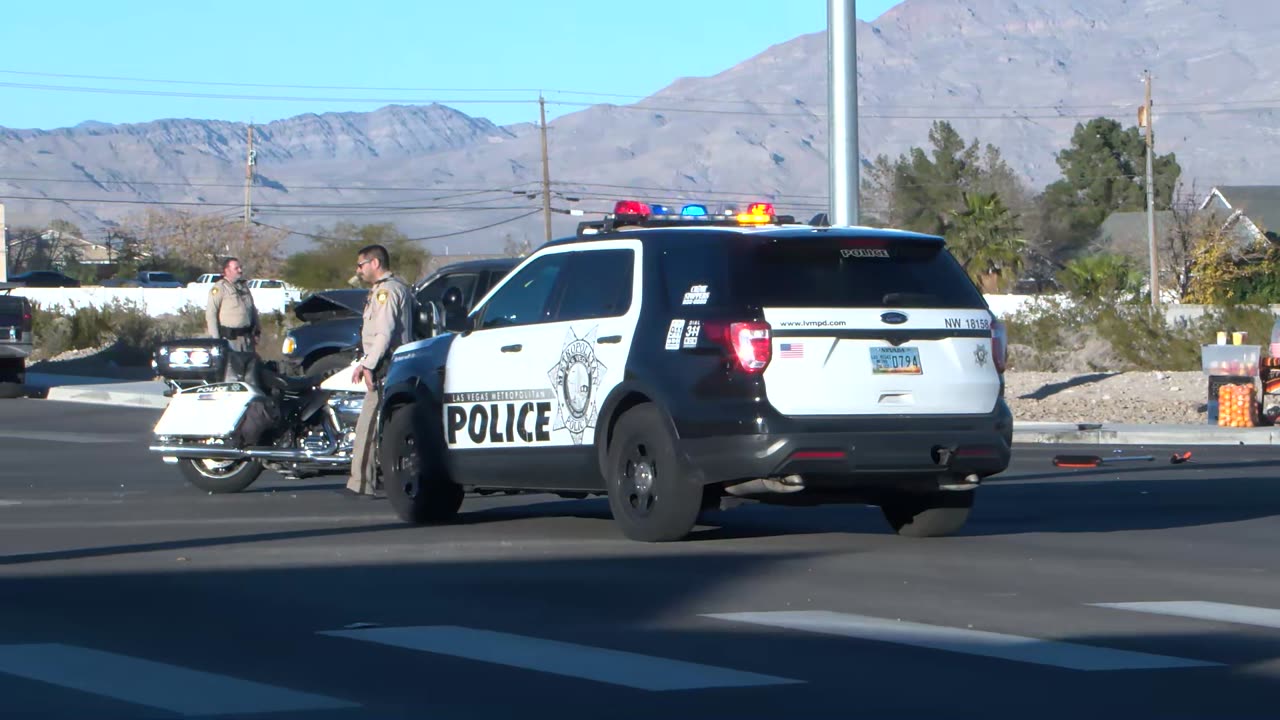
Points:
(382, 297)
(214, 291)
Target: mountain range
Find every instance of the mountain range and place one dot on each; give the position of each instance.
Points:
(1018, 74)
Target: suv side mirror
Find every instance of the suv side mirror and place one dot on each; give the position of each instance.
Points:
(457, 321)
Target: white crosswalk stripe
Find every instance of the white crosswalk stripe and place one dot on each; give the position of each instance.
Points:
(644, 672)
(972, 642)
(191, 692)
(153, 684)
(1200, 610)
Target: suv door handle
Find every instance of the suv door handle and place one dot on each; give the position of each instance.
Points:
(512, 348)
(609, 339)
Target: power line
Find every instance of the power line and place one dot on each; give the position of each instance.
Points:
(888, 116)
(278, 206)
(416, 239)
(1117, 104)
(1262, 105)
(274, 98)
(461, 192)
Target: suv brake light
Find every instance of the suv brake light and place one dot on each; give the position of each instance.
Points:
(999, 344)
(752, 345)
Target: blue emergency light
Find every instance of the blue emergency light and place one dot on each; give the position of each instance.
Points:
(694, 211)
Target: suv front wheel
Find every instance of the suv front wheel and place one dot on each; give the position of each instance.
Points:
(415, 480)
(650, 499)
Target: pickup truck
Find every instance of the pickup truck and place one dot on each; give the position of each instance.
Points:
(330, 336)
(157, 279)
(15, 341)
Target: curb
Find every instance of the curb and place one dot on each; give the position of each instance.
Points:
(1066, 433)
(1035, 433)
(99, 396)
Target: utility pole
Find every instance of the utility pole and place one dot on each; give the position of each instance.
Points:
(249, 161)
(1144, 120)
(546, 170)
(842, 111)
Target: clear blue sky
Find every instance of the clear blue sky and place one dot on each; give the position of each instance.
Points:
(580, 45)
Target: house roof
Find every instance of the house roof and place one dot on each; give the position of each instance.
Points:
(1126, 232)
(1259, 203)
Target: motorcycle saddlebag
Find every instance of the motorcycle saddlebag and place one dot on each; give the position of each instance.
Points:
(259, 418)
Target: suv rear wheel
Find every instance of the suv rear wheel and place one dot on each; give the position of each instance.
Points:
(650, 499)
(933, 514)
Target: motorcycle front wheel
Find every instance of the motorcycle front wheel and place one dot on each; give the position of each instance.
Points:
(220, 476)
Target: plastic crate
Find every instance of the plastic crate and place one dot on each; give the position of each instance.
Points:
(1216, 382)
(1235, 360)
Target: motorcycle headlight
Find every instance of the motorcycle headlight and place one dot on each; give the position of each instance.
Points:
(289, 345)
(190, 358)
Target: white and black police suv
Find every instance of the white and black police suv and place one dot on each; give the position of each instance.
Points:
(677, 362)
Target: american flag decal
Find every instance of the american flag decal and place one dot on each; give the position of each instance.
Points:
(791, 350)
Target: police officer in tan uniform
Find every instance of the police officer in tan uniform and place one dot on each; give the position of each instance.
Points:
(230, 312)
(388, 323)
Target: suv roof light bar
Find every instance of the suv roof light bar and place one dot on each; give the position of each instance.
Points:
(634, 213)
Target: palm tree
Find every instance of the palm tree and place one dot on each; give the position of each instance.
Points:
(984, 238)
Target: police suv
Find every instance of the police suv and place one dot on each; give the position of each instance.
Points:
(676, 361)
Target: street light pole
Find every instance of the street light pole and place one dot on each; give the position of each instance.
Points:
(842, 111)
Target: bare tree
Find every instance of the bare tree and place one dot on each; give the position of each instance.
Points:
(1191, 233)
(31, 248)
(516, 249)
(194, 243)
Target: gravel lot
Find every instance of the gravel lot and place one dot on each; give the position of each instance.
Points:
(1129, 397)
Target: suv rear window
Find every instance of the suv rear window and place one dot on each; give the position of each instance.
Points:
(854, 273)
(695, 274)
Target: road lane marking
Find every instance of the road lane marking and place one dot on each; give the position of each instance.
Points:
(1199, 610)
(154, 684)
(643, 672)
(970, 642)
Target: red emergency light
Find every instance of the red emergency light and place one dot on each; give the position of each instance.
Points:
(631, 207)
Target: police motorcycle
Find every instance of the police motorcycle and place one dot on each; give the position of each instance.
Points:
(232, 415)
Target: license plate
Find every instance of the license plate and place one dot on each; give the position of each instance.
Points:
(895, 361)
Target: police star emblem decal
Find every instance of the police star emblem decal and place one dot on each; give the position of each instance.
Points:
(980, 355)
(575, 379)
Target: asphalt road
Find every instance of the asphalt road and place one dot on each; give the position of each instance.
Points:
(126, 594)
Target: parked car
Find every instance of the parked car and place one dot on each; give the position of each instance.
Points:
(16, 339)
(330, 337)
(157, 279)
(44, 278)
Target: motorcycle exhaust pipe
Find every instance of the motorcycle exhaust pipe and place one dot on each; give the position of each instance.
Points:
(209, 453)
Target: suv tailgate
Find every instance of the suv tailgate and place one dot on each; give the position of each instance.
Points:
(870, 327)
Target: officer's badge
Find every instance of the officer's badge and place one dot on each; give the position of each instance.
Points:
(214, 291)
(382, 297)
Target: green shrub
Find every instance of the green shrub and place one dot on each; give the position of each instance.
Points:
(1083, 334)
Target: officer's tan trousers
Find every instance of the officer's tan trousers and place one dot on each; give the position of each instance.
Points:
(363, 459)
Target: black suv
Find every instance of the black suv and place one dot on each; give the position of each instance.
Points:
(331, 336)
(673, 363)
